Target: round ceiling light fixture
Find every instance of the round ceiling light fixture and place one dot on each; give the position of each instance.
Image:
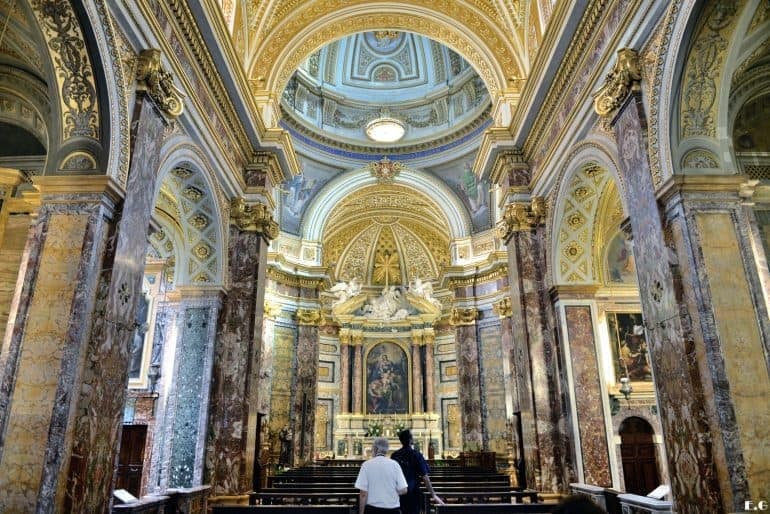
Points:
(385, 128)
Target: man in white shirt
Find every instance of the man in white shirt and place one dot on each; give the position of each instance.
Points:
(380, 481)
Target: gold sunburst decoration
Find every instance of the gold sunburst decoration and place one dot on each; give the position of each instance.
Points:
(386, 268)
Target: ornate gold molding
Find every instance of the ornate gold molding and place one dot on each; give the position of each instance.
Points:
(625, 77)
(158, 83)
(461, 317)
(253, 217)
(519, 216)
(503, 308)
(293, 280)
(309, 317)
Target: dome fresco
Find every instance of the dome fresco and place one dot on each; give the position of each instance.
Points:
(427, 87)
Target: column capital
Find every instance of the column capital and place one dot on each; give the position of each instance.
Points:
(358, 337)
(520, 216)
(158, 83)
(462, 317)
(503, 308)
(309, 317)
(428, 336)
(253, 217)
(73, 189)
(344, 336)
(625, 77)
(271, 310)
(417, 337)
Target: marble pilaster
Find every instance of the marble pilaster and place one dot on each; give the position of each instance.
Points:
(44, 349)
(235, 378)
(304, 400)
(430, 396)
(344, 376)
(698, 411)
(358, 379)
(417, 405)
(588, 395)
(194, 349)
(469, 387)
(535, 364)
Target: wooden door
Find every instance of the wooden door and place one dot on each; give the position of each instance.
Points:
(131, 459)
(637, 451)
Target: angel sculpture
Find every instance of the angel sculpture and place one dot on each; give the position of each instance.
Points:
(343, 291)
(424, 290)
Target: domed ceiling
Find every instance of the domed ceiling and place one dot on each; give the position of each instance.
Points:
(428, 88)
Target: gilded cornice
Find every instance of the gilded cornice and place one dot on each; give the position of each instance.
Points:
(158, 83)
(464, 317)
(625, 77)
(204, 64)
(736, 186)
(489, 276)
(503, 308)
(267, 162)
(294, 281)
(253, 217)
(309, 317)
(520, 216)
(73, 188)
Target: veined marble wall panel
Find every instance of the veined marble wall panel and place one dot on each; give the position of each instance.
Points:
(266, 365)
(40, 362)
(283, 376)
(741, 345)
(14, 237)
(493, 387)
(306, 390)
(587, 395)
(469, 386)
(192, 354)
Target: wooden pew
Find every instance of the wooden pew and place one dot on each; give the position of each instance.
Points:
(303, 497)
(284, 509)
(494, 508)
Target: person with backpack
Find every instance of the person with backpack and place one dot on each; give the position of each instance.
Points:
(414, 466)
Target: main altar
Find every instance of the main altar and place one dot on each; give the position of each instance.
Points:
(387, 363)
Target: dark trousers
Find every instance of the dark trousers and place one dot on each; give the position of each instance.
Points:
(370, 509)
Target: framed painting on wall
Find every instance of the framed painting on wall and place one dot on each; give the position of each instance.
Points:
(387, 383)
(629, 346)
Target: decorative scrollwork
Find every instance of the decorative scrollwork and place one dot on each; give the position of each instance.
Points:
(519, 216)
(462, 317)
(624, 78)
(253, 217)
(158, 83)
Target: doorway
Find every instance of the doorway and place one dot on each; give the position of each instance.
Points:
(131, 459)
(638, 454)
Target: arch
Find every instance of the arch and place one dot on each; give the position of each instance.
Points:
(344, 184)
(572, 225)
(184, 173)
(700, 46)
(463, 28)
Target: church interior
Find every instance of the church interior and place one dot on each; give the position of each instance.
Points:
(243, 236)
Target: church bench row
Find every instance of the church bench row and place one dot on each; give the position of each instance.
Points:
(284, 509)
(494, 508)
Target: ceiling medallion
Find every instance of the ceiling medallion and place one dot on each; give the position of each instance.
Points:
(385, 128)
(385, 170)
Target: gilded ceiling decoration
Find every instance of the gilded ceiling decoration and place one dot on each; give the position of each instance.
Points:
(386, 234)
(293, 32)
(575, 232)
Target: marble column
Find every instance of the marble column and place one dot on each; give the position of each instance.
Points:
(187, 410)
(232, 430)
(535, 363)
(358, 370)
(705, 321)
(586, 393)
(416, 374)
(345, 373)
(306, 376)
(430, 396)
(469, 386)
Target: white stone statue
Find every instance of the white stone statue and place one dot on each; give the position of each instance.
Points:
(424, 290)
(344, 291)
(386, 306)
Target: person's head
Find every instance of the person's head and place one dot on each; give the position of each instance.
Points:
(380, 446)
(405, 436)
(578, 504)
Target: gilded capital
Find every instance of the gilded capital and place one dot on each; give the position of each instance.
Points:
(503, 308)
(253, 217)
(309, 317)
(519, 216)
(271, 310)
(158, 83)
(624, 78)
(462, 317)
(344, 336)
